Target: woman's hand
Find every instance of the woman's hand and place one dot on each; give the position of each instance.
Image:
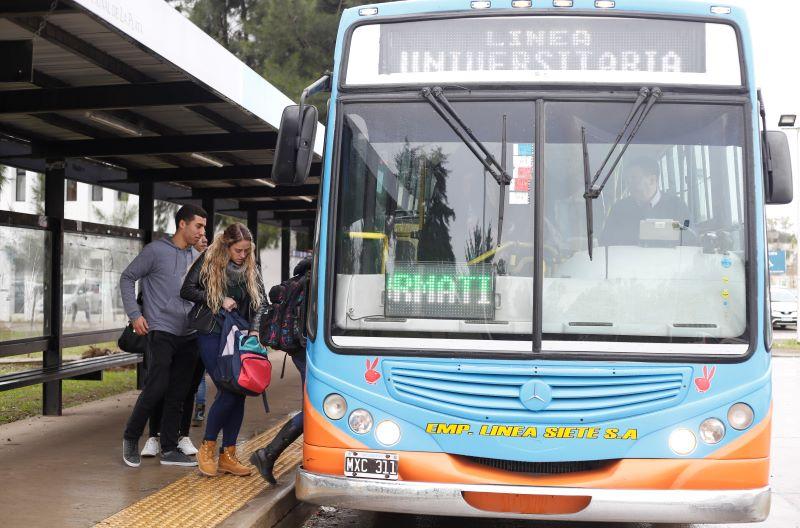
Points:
(228, 304)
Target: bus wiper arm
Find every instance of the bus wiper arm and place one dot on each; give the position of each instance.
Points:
(591, 191)
(643, 93)
(435, 96)
(655, 94)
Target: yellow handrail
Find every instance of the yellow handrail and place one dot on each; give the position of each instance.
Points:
(491, 252)
(368, 235)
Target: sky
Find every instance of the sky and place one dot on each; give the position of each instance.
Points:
(774, 29)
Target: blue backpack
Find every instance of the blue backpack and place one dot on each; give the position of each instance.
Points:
(243, 365)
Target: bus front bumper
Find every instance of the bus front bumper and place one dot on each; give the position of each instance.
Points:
(610, 505)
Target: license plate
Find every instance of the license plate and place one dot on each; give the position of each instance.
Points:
(382, 466)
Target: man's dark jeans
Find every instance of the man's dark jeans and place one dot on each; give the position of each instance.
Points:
(188, 405)
(170, 366)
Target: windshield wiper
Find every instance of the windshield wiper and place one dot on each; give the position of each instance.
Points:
(639, 111)
(435, 96)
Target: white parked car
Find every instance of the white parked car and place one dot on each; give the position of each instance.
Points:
(81, 297)
(783, 305)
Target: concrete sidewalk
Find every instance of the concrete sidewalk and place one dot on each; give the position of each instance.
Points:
(67, 471)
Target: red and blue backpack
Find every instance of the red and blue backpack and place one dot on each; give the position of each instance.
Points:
(283, 322)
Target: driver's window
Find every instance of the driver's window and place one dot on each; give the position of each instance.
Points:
(668, 233)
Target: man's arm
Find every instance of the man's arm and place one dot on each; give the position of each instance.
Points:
(138, 268)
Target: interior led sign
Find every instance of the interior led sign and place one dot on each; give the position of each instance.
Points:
(440, 291)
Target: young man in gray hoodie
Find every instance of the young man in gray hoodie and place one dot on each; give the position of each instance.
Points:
(172, 347)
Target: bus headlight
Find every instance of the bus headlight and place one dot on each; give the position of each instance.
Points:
(387, 432)
(740, 416)
(682, 441)
(360, 421)
(334, 406)
(712, 431)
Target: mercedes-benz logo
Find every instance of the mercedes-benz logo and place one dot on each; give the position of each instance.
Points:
(535, 395)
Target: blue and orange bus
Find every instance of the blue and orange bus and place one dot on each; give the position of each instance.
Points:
(539, 283)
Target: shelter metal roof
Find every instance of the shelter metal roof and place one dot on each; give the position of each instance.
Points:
(132, 91)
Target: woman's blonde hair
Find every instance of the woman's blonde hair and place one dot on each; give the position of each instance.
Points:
(213, 272)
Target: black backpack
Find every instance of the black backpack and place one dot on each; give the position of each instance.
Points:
(283, 323)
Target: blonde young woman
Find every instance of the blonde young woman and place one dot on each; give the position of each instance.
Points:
(225, 277)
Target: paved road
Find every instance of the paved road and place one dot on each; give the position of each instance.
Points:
(785, 480)
(784, 333)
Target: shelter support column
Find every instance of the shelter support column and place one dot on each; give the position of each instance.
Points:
(208, 205)
(146, 210)
(54, 177)
(252, 225)
(286, 242)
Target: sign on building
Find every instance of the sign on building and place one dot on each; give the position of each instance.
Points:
(777, 261)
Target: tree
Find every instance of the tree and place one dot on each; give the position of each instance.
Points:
(163, 212)
(38, 193)
(424, 175)
(268, 235)
(479, 243)
(781, 231)
(124, 214)
(288, 42)
(3, 176)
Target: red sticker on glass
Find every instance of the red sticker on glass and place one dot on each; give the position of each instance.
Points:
(522, 184)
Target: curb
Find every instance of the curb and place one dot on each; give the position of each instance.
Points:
(268, 508)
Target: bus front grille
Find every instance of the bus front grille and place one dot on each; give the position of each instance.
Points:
(575, 394)
(540, 468)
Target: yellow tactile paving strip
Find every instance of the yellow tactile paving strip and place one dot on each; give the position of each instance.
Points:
(203, 502)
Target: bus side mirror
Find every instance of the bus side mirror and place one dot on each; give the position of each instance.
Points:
(294, 150)
(779, 177)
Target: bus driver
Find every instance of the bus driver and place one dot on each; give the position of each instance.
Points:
(645, 201)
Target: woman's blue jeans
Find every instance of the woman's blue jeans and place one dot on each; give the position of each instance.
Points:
(227, 412)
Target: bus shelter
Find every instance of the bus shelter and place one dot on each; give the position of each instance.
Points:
(131, 97)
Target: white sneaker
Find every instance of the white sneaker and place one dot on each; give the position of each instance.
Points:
(186, 446)
(152, 447)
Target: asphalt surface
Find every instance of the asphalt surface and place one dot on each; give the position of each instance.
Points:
(784, 333)
(784, 478)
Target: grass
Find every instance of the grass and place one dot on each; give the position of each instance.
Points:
(786, 344)
(71, 352)
(27, 401)
(24, 402)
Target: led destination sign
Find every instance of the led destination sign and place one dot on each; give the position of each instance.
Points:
(440, 291)
(536, 43)
(519, 48)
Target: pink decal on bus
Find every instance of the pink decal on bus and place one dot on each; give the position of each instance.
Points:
(704, 383)
(371, 375)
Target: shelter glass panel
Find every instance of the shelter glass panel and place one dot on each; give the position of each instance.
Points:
(24, 264)
(92, 266)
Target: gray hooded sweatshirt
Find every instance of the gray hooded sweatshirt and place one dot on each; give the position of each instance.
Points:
(161, 267)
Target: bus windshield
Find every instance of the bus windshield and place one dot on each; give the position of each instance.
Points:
(417, 250)
(417, 238)
(669, 237)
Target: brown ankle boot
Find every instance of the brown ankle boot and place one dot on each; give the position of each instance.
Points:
(228, 463)
(206, 462)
